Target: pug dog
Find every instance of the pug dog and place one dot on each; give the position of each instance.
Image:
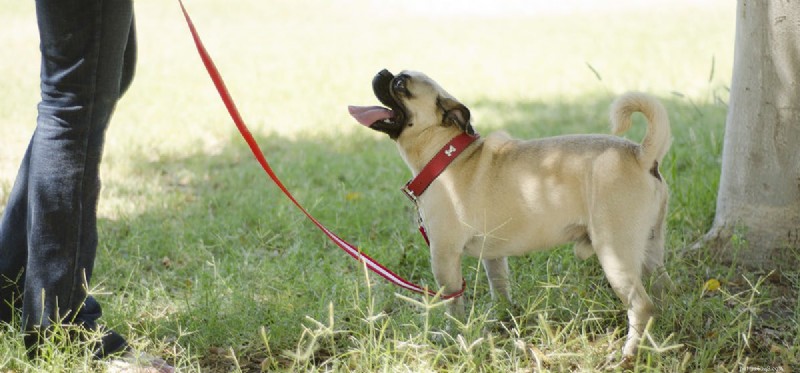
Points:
(504, 197)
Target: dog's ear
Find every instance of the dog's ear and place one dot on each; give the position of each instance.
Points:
(455, 113)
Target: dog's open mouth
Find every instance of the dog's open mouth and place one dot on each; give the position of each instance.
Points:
(389, 119)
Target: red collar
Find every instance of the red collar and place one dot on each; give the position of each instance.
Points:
(416, 186)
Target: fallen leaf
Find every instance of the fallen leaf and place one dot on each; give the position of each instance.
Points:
(711, 285)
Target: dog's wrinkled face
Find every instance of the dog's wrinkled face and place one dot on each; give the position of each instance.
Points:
(415, 103)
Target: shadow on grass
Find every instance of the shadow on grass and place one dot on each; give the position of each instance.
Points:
(219, 252)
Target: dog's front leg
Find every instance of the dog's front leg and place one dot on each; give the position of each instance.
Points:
(497, 271)
(498, 274)
(446, 266)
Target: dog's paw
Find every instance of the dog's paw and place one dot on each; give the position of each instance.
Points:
(507, 312)
(440, 338)
(447, 336)
(615, 363)
(507, 320)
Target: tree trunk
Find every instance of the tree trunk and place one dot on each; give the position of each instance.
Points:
(757, 222)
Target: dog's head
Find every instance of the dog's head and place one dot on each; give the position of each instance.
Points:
(415, 103)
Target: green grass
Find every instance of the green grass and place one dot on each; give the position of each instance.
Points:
(202, 260)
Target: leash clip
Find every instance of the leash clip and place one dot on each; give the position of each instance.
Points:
(409, 193)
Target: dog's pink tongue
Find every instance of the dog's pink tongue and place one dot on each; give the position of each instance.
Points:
(367, 115)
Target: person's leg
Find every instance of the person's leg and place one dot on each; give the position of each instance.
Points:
(114, 74)
(14, 244)
(83, 45)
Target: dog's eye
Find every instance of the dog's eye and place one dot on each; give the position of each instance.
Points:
(404, 91)
(400, 85)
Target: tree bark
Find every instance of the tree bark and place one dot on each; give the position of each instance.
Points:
(757, 222)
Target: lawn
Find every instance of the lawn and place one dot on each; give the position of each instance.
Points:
(202, 259)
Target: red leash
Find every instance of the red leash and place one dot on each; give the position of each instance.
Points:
(251, 142)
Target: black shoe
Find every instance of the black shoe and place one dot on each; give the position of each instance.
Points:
(110, 342)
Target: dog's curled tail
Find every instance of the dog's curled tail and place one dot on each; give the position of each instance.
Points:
(658, 137)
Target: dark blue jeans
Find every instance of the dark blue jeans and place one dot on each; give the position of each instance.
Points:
(48, 232)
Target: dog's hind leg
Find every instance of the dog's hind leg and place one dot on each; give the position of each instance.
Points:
(653, 265)
(623, 271)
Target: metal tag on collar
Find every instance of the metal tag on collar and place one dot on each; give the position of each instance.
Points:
(408, 192)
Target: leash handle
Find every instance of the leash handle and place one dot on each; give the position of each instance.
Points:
(353, 251)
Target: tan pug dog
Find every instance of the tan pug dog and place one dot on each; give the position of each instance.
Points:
(503, 197)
